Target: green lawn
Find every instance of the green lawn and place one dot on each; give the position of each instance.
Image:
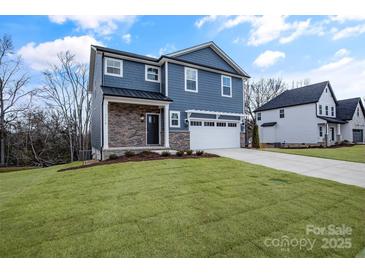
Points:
(212, 207)
(353, 154)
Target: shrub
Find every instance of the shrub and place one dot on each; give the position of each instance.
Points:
(179, 153)
(113, 156)
(165, 153)
(129, 153)
(199, 152)
(189, 152)
(255, 137)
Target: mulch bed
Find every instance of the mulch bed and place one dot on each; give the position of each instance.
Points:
(144, 156)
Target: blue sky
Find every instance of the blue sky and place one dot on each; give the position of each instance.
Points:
(292, 47)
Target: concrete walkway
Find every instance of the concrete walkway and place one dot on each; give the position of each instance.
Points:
(340, 171)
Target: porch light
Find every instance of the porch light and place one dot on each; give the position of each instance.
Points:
(141, 118)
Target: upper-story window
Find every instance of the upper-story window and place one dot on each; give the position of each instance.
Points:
(258, 116)
(326, 110)
(320, 109)
(332, 111)
(358, 112)
(282, 113)
(226, 86)
(152, 73)
(113, 67)
(191, 79)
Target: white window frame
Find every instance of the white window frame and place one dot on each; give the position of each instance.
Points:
(320, 131)
(230, 86)
(320, 110)
(106, 66)
(146, 73)
(178, 122)
(282, 109)
(259, 116)
(185, 79)
(333, 111)
(326, 112)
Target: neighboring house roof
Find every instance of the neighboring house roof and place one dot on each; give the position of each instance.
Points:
(298, 96)
(332, 120)
(270, 124)
(133, 93)
(346, 108)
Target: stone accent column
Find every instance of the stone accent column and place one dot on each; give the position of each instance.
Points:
(180, 140)
(242, 139)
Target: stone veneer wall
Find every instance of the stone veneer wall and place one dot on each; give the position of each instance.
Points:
(180, 140)
(125, 126)
(242, 139)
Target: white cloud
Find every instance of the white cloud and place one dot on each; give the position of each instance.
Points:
(168, 48)
(349, 32)
(345, 18)
(101, 24)
(268, 58)
(342, 52)
(300, 29)
(335, 65)
(39, 56)
(206, 19)
(127, 38)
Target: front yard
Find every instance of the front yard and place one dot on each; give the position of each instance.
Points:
(353, 154)
(212, 207)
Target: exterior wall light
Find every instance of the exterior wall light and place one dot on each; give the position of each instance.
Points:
(141, 118)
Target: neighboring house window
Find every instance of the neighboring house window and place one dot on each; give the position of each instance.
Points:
(226, 86)
(191, 79)
(282, 113)
(326, 110)
(258, 116)
(152, 74)
(358, 112)
(232, 124)
(332, 111)
(320, 109)
(196, 123)
(320, 131)
(174, 118)
(113, 67)
(209, 124)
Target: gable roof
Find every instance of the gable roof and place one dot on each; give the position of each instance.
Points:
(298, 96)
(216, 49)
(346, 108)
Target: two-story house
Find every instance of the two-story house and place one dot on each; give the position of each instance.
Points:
(311, 115)
(189, 99)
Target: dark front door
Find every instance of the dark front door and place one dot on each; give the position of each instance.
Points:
(332, 133)
(153, 129)
(357, 135)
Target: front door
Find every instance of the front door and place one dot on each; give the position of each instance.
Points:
(153, 135)
(332, 134)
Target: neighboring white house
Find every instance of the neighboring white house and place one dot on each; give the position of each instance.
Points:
(311, 115)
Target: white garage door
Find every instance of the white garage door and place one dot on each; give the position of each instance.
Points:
(211, 134)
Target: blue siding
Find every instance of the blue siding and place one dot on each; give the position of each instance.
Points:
(207, 57)
(133, 78)
(209, 93)
(96, 106)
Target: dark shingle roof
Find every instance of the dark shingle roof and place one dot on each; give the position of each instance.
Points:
(270, 124)
(298, 96)
(133, 93)
(346, 108)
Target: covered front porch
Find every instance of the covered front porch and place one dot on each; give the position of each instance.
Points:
(330, 131)
(135, 123)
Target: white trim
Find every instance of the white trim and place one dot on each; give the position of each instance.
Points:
(159, 127)
(166, 126)
(112, 74)
(136, 101)
(185, 79)
(230, 86)
(146, 67)
(134, 148)
(215, 112)
(179, 117)
(106, 125)
(167, 79)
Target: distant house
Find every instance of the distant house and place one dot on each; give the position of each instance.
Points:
(189, 99)
(311, 115)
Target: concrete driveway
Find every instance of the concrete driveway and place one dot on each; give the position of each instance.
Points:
(340, 171)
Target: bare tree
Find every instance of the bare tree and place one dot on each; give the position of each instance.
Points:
(65, 91)
(260, 92)
(12, 88)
